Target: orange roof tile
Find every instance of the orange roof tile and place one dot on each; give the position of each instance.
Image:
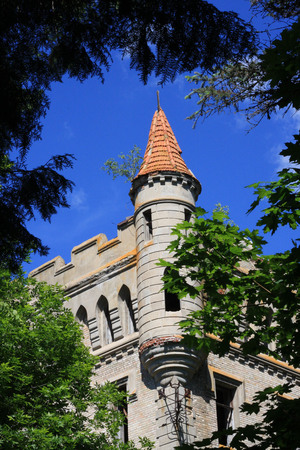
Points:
(163, 152)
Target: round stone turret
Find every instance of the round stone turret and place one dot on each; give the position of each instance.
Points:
(163, 193)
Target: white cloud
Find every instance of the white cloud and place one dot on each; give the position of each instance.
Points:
(289, 124)
(240, 122)
(278, 160)
(290, 121)
(295, 116)
(281, 162)
(78, 200)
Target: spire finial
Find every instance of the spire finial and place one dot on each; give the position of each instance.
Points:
(158, 104)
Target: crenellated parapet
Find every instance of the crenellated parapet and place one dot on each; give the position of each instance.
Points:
(89, 258)
(160, 186)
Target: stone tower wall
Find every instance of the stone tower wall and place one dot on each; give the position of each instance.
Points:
(167, 197)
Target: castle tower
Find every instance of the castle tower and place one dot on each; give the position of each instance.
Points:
(175, 395)
(164, 193)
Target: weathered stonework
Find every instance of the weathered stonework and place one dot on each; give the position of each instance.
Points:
(115, 291)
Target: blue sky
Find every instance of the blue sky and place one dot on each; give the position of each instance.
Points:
(96, 121)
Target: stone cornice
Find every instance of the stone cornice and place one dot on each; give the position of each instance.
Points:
(117, 349)
(89, 280)
(264, 361)
(159, 341)
(163, 177)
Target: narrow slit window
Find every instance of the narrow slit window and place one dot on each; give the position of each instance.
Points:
(109, 329)
(172, 302)
(123, 430)
(187, 215)
(148, 225)
(187, 218)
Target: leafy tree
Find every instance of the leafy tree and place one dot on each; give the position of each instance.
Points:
(42, 41)
(257, 85)
(247, 297)
(129, 166)
(47, 400)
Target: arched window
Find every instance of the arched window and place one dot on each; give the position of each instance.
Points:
(104, 322)
(81, 317)
(172, 302)
(126, 311)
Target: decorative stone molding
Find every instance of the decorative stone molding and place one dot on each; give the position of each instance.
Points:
(117, 350)
(101, 274)
(265, 363)
(134, 303)
(65, 268)
(54, 264)
(116, 324)
(108, 245)
(94, 333)
(165, 358)
(163, 178)
(98, 240)
(159, 341)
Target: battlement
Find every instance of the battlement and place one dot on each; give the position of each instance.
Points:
(89, 256)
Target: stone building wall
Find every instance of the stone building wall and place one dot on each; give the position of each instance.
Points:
(119, 360)
(116, 292)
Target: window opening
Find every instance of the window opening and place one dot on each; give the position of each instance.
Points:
(148, 225)
(123, 431)
(187, 215)
(127, 313)
(131, 320)
(106, 330)
(109, 330)
(81, 317)
(224, 402)
(172, 302)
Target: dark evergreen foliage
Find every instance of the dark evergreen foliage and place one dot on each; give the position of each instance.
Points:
(23, 193)
(42, 41)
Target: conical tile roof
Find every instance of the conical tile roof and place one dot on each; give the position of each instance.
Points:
(163, 152)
